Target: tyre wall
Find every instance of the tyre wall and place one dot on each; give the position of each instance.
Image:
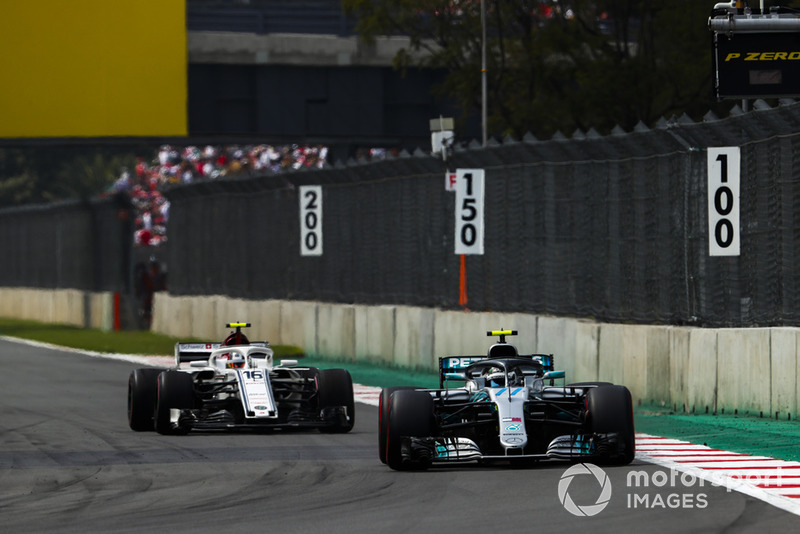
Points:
(694, 370)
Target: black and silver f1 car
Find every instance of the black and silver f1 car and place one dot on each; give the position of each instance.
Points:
(235, 385)
(505, 406)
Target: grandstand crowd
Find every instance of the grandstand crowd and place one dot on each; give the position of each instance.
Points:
(172, 164)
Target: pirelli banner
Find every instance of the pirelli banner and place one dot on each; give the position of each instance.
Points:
(757, 65)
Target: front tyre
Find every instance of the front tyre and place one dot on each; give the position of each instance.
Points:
(610, 412)
(410, 415)
(175, 392)
(383, 418)
(336, 400)
(142, 398)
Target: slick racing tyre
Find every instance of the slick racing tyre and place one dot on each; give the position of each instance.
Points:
(335, 391)
(610, 411)
(383, 418)
(410, 414)
(174, 391)
(142, 398)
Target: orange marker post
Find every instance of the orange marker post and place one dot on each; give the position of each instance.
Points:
(462, 283)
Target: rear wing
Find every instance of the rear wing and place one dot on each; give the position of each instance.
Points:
(195, 352)
(454, 367)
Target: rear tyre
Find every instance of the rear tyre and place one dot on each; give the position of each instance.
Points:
(175, 392)
(410, 414)
(383, 418)
(142, 398)
(610, 410)
(335, 391)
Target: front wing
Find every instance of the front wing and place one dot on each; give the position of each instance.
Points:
(254, 392)
(329, 418)
(461, 449)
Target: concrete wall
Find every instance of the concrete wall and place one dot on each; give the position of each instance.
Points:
(241, 48)
(749, 370)
(65, 306)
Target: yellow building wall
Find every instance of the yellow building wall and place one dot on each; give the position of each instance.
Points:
(93, 68)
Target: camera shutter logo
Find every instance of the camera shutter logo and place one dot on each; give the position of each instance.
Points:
(590, 509)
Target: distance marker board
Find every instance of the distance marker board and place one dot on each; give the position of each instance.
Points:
(310, 220)
(469, 189)
(723, 201)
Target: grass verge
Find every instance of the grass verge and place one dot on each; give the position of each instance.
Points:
(123, 342)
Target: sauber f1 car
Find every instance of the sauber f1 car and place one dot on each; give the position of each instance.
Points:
(504, 406)
(236, 385)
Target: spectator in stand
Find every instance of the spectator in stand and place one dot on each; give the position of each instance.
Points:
(123, 183)
(375, 154)
(186, 172)
(141, 168)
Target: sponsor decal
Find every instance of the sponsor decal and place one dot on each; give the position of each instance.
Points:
(460, 363)
(513, 428)
(512, 419)
(763, 56)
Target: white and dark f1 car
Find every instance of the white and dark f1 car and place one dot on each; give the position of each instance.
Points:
(235, 385)
(505, 406)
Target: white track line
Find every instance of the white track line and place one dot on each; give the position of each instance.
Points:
(771, 480)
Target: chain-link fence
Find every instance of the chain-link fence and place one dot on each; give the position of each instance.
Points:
(610, 228)
(79, 245)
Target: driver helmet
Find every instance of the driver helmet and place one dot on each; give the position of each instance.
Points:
(495, 377)
(232, 360)
(236, 338)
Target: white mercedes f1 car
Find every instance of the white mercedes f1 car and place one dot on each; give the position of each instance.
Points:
(504, 406)
(236, 385)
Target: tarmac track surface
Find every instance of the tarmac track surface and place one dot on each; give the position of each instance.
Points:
(69, 463)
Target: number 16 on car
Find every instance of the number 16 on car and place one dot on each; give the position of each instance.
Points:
(469, 211)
